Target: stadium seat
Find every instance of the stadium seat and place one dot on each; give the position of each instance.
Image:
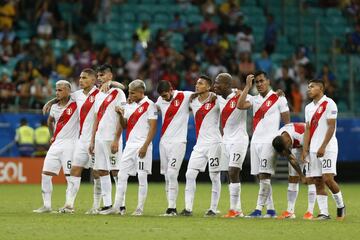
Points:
(162, 18)
(144, 17)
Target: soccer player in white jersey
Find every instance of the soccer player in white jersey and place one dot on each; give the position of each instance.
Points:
(64, 129)
(207, 150)
(174, 107)
(289, 144)
(85, 99)
(321, 147)
(268, 110)
(139, 117)
(106, 140)
(235, 138)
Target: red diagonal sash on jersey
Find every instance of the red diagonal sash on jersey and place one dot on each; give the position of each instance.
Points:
(135, 116)
(86, 108)
(200, 115)
(316, 117)
(64, 118)
(171, 111)
(299, 128)
(228, 109)
(260, 113)
(109, 98)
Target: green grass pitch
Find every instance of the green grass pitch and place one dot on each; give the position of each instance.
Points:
(18, 222)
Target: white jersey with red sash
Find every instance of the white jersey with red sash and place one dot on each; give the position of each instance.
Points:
(296, 132)
(233, 120)
(66, 122)
(206, 121)
(175, 116)
(105, 104)
(86, 110)
(316, 115)
(266, 116)
(137, 115)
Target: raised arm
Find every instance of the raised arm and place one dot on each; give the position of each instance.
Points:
(242, 103)
(285, 117)
(149, 138)
(122, 119)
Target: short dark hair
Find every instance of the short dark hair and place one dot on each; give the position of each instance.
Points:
(318, 81)
(105, 67)
(259, 72)
(279, 144)
(207, 79)
(89, 71)
(163, 86)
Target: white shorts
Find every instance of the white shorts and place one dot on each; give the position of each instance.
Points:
(171, 155)
(297, 153)
(201, 155)
(131, 163)
(82, 157)
(104, 159)
(262, 158)
(235, 154)
(323, 165)
(59, 155)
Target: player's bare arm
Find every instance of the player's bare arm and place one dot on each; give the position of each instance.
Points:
(242, 103)
(92, 142)
(285, 117)
(306, 144)
(47, 106)
(296, 166)
(112, 84)
(50, 123)
(122, 119)
(149, 138)
(115, 144)
(329, 133)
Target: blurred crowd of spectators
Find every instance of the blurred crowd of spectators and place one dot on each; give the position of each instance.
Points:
(207, 49)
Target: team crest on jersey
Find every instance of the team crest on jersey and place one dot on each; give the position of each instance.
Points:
(320, 109)
(268, 103)
(91, 99)
(176, 103)
(232, 104)
(140, 109)
(109, 98)
(68, 111)
(207, 106)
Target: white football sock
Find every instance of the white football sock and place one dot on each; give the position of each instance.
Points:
(293, 190)
(143, 188)
(311, 197)
(121, 190)
(190, 188)
(323, 204)
(73, 190)
(97, 193)
(173, 187)
(115, 180)
(106, 186)
(46, 189)
(215, 190)
(338, 199)
(263, 194)
(270, 201)
(166, 186)
(235, 191)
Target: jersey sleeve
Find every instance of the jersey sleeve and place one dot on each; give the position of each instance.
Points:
(307, 117)
(121, 100)
(331, 112)
(250, 99)
(152, 112)
(283, 105)
(52, 111)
